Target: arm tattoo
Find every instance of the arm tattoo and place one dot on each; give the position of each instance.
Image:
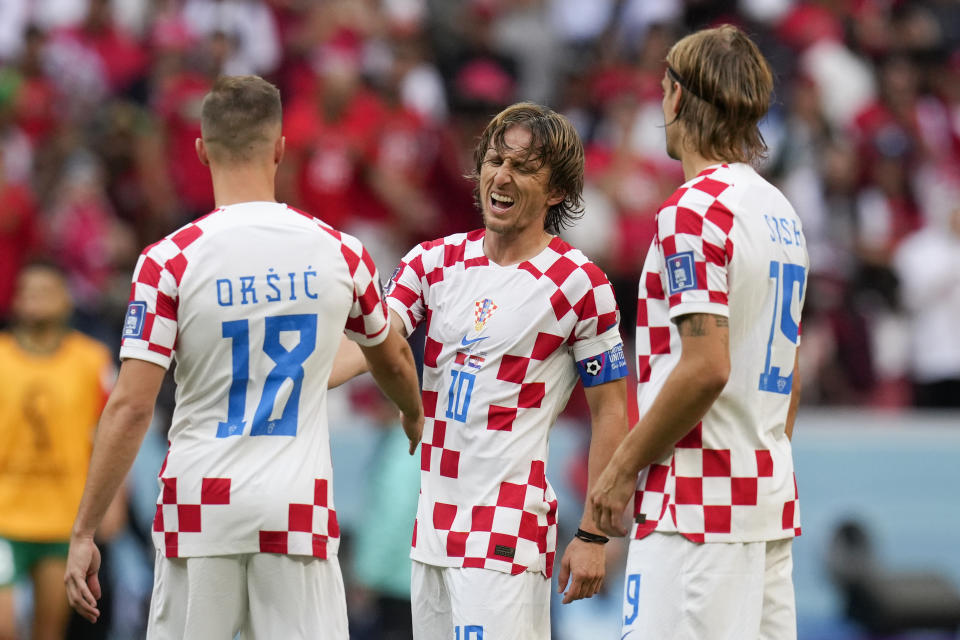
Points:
(696, 324)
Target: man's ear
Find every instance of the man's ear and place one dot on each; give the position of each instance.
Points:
(279, 148)
(677, 96)
(202, 152)
(556, 197)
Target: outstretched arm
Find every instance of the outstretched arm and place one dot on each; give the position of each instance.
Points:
(124, 422)
(584, 563)
(391, 363)
(687, 394)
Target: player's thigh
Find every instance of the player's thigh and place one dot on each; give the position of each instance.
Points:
(492, 605)
(779, 617)
(679, 590)
(197, 598)
(50, 608)
(429, 603)
(295, 598)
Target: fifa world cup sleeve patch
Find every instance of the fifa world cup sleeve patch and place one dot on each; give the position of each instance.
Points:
(606, 367)
(681, 275)
(133, 323)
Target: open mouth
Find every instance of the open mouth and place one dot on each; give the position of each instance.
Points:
(500, 202)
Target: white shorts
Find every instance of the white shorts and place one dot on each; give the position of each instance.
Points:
(679, 590)
(259, 595)
(451, 603)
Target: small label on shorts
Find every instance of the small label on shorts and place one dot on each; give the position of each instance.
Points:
(504, 551)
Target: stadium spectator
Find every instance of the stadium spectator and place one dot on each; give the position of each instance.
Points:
(928, 268)
(55, 383)
(245, 528)
(715, 493)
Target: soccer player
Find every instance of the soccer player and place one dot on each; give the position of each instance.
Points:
(514, 317)
(717, 334)
(55, 383)
(251, 300)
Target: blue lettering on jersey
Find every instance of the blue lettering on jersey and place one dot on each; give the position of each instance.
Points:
(133, 323)
(784, 231)
(606, 367)
(270, 287)
(680, 272)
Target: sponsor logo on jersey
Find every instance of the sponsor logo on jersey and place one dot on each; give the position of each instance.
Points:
(680, 272)
(468, 343)
(133, 323)
(483, 310)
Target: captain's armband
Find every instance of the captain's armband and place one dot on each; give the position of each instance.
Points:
(605, 367)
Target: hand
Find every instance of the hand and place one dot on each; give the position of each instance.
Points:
(585, 563)
(83, 585)
(608, 499)
(413, 427)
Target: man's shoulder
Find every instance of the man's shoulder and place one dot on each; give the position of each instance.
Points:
(568, 266)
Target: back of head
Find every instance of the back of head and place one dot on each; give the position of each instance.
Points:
(554, 144)
(240, 119)
(727, 86)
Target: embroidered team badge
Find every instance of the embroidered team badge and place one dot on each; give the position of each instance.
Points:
(483, 311)
(680, 272)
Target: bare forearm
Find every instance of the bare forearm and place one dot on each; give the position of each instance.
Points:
(395, 372)
(347, 364)
(115, 446)
(608, 432)
(682, 402)
(794, 400)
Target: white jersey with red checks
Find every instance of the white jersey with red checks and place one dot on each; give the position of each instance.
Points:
(501, 358)
(729, 244)
(251, 300)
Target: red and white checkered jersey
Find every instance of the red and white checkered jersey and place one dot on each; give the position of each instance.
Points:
(499, 364)
(728, 243)
(251, 300)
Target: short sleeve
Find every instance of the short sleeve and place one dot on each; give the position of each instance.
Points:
(598, 319)
(695, 250)
(405, 289)
(150, 326)
(367, 322)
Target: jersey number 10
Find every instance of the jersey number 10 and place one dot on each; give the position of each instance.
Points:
(788, 286)
(289, 366)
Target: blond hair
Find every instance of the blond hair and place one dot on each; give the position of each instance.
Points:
(727, 87)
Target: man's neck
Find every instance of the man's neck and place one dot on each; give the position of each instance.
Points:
(233, 184)
(513, 248)
(693, 163)
(41, 339)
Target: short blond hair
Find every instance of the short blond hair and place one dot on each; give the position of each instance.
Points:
(727, 87)
(239, 116)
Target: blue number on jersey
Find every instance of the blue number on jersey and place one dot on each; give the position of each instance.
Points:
(631, 594)
(288, 366)
(458, 396)
(788, 286)
(470, 632)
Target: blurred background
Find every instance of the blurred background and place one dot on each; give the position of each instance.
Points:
(384, 101)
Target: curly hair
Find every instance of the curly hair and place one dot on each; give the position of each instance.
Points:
(727, 87)
(554, 143)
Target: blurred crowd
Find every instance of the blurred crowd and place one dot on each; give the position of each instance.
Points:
(384, 99)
